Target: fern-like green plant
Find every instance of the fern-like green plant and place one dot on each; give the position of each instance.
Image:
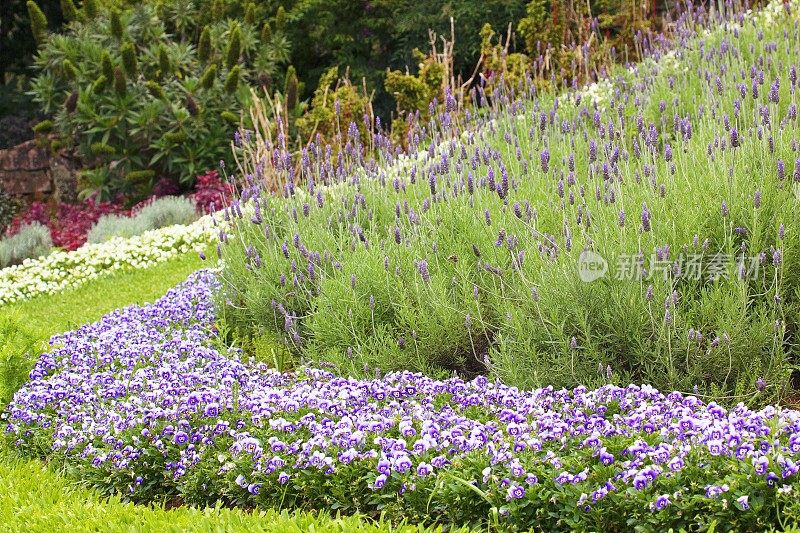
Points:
(38, 21)
(69, 10)
(18, 348)
(129, 59)
(204, 45)
(234, 49)
(232, 80)
(91, 9)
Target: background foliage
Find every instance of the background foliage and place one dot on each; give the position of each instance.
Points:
(152, 90)
(180, 70)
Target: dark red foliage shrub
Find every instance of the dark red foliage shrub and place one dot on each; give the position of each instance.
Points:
(69, 224)
(73, 222)
(165, 187)
(37, 212)
(211, 193)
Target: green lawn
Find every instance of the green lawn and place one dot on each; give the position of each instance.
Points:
(48, 314)
(33, 497)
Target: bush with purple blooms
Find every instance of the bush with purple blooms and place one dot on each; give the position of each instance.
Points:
(464, 252)
(143, 403)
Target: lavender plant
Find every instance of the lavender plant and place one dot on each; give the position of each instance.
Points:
(677, 177)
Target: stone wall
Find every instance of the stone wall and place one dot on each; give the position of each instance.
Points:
(33, 173)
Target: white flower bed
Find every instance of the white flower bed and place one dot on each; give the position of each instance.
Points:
(61, 270)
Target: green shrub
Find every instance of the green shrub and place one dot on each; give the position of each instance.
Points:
(32, 241)
(324, 117)
(162, 212)
(549, 26)
(168, 211)
(110, 226)
(143, 78)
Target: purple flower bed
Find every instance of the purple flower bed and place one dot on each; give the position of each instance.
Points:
(143, 402)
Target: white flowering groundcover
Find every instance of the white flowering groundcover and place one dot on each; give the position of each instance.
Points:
(62, 270)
